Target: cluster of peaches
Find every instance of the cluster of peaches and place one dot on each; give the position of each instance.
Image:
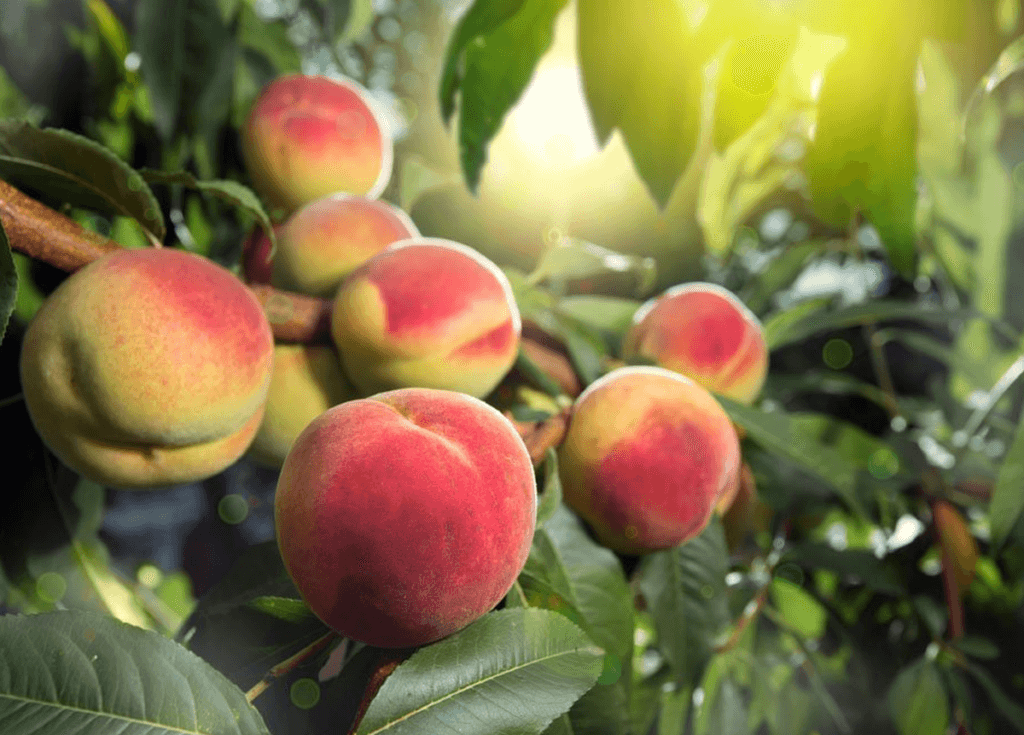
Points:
(406, 505)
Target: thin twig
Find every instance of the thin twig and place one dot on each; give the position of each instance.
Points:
(289, 664)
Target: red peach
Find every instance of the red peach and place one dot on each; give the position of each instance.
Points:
(327, 239)
(404, 517)
(647, 455)
(306, 381)
(310, 136)
(704, 332)
(426, 313)
(148, 367)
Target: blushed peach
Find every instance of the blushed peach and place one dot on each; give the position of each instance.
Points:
(704, 332)
(426, 313)
(306, 381)
(404, 517)
(647, 455)
(148, 367)
(310, 136)
(327, 239)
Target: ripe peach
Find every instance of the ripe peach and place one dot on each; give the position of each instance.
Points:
(147, 368)
(405, 516)
(426, 313)
(306, 381)
(704, 332)
(647, 455)
(309, 136)
(327, 239)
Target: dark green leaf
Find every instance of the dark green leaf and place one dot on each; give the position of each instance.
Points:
(1007, 503)
(551, 497)
(587, 349)
(161, 34)
(511, 671)
(779, 434)
(604, 710)
(79, 171)
(270, 40)
(855, 565)
(8, 283)
(499, 44)
(977, 646)
(863, 156)
(725, 712)
(640, 76)
(561, 725)
(1012, 711)
(918, 700)
(685, 592)
(235, 194)
(78, 672)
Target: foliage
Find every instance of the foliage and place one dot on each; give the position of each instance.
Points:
(855, 174)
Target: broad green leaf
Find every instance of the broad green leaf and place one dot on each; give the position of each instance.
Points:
(798, 609)
(777, 433)
(237, 195)
(76, 170)
(8, 282)
(161, 33)
(590, 578)
(918, 700)
(604, 710)
(640, 75)
(724, 712)
(572, 259)
(551, 495)
(1007, 502)
(269, 39)
(977, 646)
(511, 671)
(587, 349)
(863, 156)
(79, 672)
(498, 45)
(610, 314)
(685, 592)
(1010, 709)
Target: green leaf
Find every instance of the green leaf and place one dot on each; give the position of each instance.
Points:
(779, 434)
(798, 609)
(237, 195)
(604, 710)
(863, 156)
(284, 608)
(73, 169)
(590, 578)
(1012, 711)
(609, 314)
(587, 348)
(8, 283)
(551, 496)
(84, 672)
(1009, 62)
(855, 565)
(572, 259)
(918, 700)
(977, 646)
(270, 40)
(511, 671)
(725, 712)
(535, 375)
(161, 32)
(640, 75)
(685, 592)
(497, 45)
(1007, 502)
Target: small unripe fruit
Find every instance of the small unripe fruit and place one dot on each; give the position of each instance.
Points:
(426, 313)
(704, 332)
(404, 517)
(647, 455)
(310, 136)
(147, 368)
(306, 381)
(327, 239)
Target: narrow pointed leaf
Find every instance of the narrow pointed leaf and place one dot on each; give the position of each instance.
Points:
(1007, 503)
(512, 671)
(79, 673)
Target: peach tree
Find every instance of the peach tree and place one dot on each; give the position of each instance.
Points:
(333, 406)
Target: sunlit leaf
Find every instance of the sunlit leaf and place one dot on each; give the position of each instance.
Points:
(918, 700)
(1007, 502)
(798, 609)
(510, 671)
(79, 672)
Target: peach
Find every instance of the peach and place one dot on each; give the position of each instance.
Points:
(426, 313)
(647, 455)
(310, 136)
(327, 239)
(404, 517)
(704, 332)
(147, 368)
(306, 381)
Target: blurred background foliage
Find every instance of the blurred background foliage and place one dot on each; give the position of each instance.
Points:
(853, 170)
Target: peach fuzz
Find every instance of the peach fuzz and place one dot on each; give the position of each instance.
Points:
(706, 333)
(325, 240)
(148, 368)
(647, 455)
(404, 517)
(427, 313)
(310, 136)
(306, 381)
